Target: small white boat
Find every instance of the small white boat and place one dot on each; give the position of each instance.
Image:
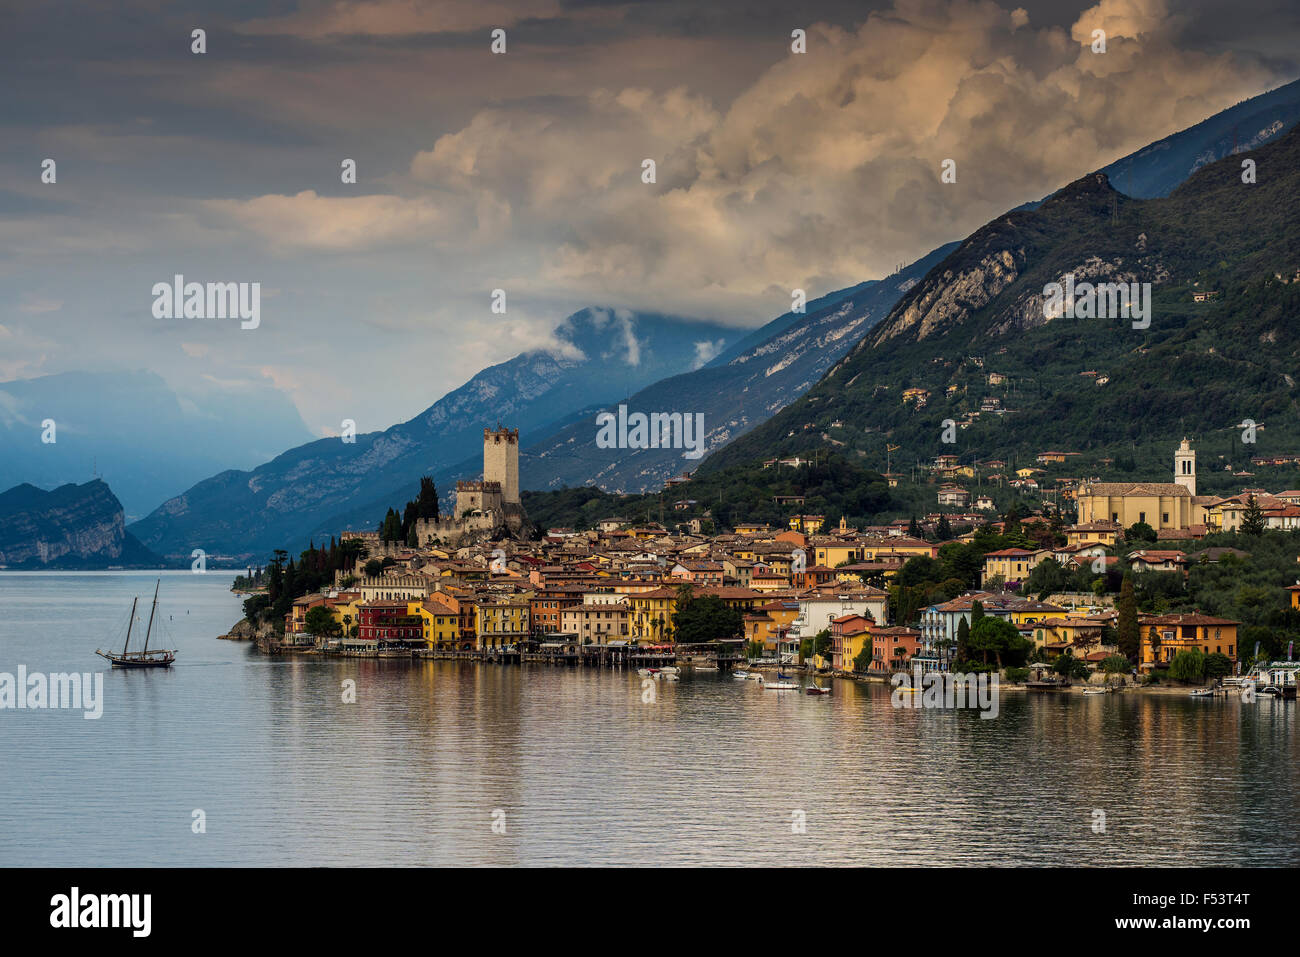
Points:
(669, 670)
(669, 676)
(778, 685)
(1202, 693)
(1095, 691)
(647, 672)
(742, 675)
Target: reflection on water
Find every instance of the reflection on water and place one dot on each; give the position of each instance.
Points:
(712, 772)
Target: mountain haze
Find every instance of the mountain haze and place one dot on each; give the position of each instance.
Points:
(599, 353)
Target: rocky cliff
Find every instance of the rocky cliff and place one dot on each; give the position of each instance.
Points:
(73, 526)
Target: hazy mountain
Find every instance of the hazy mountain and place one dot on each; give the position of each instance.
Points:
(73, 526)
(1158, 169)
(600, 354)
(736, 392)
(134, 431)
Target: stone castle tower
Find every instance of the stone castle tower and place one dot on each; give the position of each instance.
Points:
(1185, 467)
(501, 461)
(488, 506)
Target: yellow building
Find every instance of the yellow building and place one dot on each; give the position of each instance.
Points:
(651, 612)
(1105, 533)
(849, 635)
(1012, 564)
(808, 524)
(834, 554)
(1295, 596)
(769, 621)
(873, 548)
(1162, 505)
(441, 624)
(500, 621)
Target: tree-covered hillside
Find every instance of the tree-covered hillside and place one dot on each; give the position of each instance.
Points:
(974, 334)
(831, 486)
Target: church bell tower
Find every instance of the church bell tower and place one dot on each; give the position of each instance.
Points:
(1185, 466)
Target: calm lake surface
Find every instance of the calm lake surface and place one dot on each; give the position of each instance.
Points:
(712, 772)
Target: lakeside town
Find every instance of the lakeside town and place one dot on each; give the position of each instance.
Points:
(1027, 596)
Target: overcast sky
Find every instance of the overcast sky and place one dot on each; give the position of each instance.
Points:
(522, 171)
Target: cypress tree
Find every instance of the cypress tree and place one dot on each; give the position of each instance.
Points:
(1127, 625)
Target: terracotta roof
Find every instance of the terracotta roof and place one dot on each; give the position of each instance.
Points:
(1138, 488)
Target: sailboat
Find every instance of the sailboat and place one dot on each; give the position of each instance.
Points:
(782, 683)
(158, 658)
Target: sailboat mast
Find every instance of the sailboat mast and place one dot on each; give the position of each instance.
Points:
(129, 622)
(151, 614)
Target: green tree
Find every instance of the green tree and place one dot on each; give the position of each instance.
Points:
(1252, 520)
(1068, 666)
(1217, 665)
(818, 646)
(1188, 666)
(374, 568)
(321, 621)
(706, 619)
(1127, 632)
(1140, 532)
(999, 638)
(1048, 576)
(1116, 665)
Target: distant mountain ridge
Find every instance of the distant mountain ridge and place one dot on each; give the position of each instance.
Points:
(134, 431)
(793, 352)
(736, 392)
(245, 514)
(73, 526)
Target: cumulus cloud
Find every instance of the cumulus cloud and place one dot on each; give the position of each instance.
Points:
(823, 172)
(309, 221)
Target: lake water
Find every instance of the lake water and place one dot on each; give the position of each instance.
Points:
(580, 771)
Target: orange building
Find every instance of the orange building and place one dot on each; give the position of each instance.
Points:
(1164, 636)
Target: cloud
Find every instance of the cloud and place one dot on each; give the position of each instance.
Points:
(391, 18)
(38, 305)
(824, 171)
(706, 351)
(309, 221)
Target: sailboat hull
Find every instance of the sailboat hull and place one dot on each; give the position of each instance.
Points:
(130, 661)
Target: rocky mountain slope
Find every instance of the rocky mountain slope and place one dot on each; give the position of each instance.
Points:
(1015, 375)
(734, 394)
(73, 526)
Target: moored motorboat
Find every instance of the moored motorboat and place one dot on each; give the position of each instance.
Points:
(742, 675)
